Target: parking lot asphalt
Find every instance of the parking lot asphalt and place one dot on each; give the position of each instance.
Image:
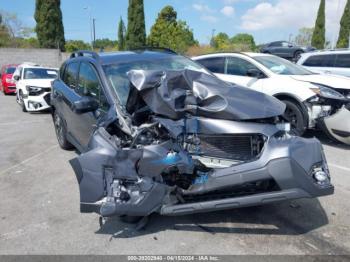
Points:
(39, 208)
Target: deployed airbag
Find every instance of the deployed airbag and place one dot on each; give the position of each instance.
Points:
(176, 93)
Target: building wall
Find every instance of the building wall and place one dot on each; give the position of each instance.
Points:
(44, 57)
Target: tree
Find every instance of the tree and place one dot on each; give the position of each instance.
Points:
(121, 35)
(319, 35)
(49, 27)
(136, 32)
(344, 33)
(105, 43)
(75, 45)
(243, 42)
(4, 34)
(304, 36)
(171, 33)
(221, 42)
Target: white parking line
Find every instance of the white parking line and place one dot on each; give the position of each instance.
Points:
(28, 159)
(339, 167)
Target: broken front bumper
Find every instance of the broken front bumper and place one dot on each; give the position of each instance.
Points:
(291, 162)
(337, 126)
(38, 103)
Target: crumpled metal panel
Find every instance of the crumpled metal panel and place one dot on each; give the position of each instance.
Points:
(176, 93)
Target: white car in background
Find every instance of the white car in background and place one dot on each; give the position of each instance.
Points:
(313, 100)
(33, 86)
(335, 62)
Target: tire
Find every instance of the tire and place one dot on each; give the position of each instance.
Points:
(21, 101)
(295, 117)
(297, 55)
(61, 132)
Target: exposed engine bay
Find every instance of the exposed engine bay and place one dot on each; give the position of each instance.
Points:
(187, 143)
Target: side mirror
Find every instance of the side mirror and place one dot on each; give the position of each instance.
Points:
(256, 73)
(290, 45)
(16, 77)
(84, 105)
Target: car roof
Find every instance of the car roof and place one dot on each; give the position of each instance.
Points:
(31, 65)
(249, 54)
(328, 52)
(127, 56)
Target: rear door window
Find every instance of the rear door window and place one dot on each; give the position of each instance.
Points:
(70, 75)
(320, 61)
(343, 60)
(214, 64)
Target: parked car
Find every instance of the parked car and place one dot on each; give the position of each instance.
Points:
(312, 100)
(33, 85)
(335, 62)
(8, 86)
(158, 133)
(285, 50)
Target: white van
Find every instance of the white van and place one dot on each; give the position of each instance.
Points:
(335, 62)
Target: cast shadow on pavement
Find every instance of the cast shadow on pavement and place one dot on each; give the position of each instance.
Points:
(287, 218)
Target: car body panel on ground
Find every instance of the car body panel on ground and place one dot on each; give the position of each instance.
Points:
(314, 96)
(170, 138)
(7, 84)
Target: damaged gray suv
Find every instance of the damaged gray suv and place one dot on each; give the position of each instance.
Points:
(156, 132)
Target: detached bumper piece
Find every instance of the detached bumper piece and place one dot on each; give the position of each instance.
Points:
(337, 126)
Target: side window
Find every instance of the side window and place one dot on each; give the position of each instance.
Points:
(343, 60)
(89, 84)
(275, 44)
(215, 64)
(239, 67)
(70, 75)
(320, 61)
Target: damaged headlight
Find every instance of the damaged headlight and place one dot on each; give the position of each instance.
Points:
(326, 92)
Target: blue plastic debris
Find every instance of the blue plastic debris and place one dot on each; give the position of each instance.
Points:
(202, 178)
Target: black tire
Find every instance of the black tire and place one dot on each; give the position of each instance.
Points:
(61, 132)
(297, 55)
(21, 101)
(295, 117)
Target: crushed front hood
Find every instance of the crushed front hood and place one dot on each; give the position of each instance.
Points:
(174, 94)
(333, 81)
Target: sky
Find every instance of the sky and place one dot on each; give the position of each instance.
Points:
(266, 20)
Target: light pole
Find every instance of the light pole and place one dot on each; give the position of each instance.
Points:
(88, 8)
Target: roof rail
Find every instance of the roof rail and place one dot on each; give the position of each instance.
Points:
(153, 48)
(85, 53)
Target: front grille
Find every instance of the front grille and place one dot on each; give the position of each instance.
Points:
(238, 147)
(47, 98)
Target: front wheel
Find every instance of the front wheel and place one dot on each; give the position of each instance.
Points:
(295, 117)
(21, 101)
(61, 132)
(297, 55)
